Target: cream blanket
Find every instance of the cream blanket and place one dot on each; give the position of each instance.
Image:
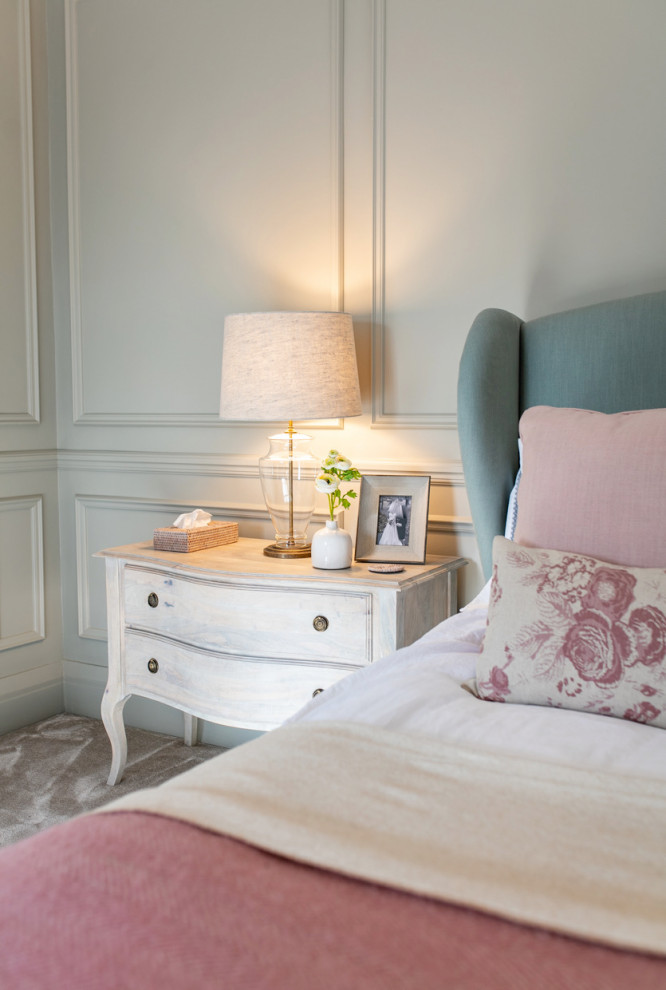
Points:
(574, 851)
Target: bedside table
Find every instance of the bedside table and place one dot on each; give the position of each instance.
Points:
(238, 638)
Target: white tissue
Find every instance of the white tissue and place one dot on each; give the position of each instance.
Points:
(196, 519)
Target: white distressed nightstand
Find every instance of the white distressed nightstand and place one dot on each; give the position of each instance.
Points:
(242, 639)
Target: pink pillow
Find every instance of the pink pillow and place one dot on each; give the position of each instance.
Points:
(594, 483)
(572, 632)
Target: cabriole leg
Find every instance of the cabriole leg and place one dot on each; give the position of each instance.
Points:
(112, 717)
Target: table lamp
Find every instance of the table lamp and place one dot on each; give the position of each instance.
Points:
(288, 367)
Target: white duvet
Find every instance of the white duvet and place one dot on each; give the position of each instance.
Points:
(562, 812)
(419, 689)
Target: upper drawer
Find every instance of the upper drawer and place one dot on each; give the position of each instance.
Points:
(250, 620)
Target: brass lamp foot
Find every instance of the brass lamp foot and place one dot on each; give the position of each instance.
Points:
(273, 550)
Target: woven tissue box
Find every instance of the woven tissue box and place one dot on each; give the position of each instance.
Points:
(215, 534)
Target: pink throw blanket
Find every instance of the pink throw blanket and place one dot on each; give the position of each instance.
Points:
(131, 900)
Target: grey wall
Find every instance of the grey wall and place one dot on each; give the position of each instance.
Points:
(167, 162)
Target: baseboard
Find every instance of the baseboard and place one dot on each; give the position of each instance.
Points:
(30, 705)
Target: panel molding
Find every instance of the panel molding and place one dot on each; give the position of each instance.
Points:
(450, 526)
(19, 461)
(381, 418)
(149, 462)
(448, 473)
(101, 418)
(337, 84)
(31, 413)
(32, 505)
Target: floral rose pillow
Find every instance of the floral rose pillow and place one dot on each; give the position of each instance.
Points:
(570, 631)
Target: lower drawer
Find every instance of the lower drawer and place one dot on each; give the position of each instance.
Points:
(237, 691)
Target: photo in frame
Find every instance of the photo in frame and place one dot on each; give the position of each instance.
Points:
(393, 519)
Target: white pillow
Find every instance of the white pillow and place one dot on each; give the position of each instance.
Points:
(512, 511)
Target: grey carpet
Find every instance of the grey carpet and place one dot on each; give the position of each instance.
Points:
(56, 769)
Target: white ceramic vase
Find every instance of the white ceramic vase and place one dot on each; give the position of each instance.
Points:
(331, 547)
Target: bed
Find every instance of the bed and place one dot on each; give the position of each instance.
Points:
(483, 809)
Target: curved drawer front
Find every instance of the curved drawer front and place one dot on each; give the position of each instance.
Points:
(270, 621)
(251, 693)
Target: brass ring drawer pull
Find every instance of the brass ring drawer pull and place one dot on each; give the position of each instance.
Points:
(316, 692)
(153, 665)
(320, 622)
(153, 600)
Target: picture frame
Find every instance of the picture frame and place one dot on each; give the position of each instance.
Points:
(393, 519)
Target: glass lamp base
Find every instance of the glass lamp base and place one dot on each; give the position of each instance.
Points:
(287, 475)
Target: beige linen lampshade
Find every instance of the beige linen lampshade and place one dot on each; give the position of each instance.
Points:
(289, 366)
(280, 367)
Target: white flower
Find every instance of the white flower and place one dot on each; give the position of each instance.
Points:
(326, 483)
(336, 468)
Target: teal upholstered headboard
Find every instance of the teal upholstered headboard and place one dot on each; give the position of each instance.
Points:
(610, 357)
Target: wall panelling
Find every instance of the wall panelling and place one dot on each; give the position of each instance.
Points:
(413, 162)
(19, 368)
